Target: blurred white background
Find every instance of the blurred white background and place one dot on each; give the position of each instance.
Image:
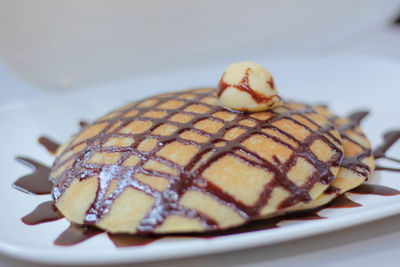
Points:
(72, 44)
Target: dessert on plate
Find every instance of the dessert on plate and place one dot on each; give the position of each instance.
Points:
(208, 159)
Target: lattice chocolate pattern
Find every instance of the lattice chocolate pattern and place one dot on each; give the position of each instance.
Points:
(357, 164)
(180, 163)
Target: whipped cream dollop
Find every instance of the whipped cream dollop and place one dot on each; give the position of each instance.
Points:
(247, 86)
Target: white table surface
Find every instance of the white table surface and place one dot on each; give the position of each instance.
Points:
(372, 244)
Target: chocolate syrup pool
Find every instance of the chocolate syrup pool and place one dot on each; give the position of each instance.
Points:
(38, 183)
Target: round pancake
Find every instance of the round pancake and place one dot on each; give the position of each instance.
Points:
(180, 163)
(358, 161)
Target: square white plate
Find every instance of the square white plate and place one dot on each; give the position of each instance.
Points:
(344, 83)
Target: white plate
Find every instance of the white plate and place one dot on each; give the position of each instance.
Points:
(345, 83)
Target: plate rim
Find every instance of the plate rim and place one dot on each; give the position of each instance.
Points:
(139, 254)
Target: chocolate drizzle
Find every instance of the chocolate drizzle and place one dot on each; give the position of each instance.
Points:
(125, 240)
(244, 86)
(83, 124)
(357, 117)
(389, 139)
(45, 212)
(355, 163)
(380, 190)
(342, 201)
(190, 178)
(38, 182)
(76, 234)
(49, 144)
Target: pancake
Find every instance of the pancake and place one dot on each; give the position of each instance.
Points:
(358, 161)
(179, 162)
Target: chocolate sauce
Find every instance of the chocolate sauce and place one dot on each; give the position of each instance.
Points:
(76, 234)
(389, 139)
(342, 201)
(189, 178)
(358, 116)
(244, 86)
(49, 144)
(303, 216)
(381, 168)
(332, 190)
(83, 124)
(126, 240)
(354, 163)
(45, 212)
(38, 182)
(372, 189)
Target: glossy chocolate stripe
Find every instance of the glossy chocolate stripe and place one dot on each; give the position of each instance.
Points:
(38, 182)
(49, 144)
